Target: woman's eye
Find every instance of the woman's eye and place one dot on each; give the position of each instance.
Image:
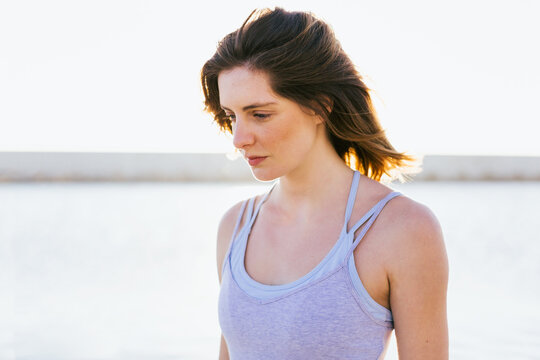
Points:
(231, 117)
(261, 116)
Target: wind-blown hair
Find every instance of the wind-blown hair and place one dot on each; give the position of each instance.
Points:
(306, 64)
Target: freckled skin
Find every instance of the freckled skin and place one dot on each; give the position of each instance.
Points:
(282, 131)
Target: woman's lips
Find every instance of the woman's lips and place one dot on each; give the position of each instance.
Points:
(255, 160)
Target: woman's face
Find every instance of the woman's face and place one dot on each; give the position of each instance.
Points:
(275, 135)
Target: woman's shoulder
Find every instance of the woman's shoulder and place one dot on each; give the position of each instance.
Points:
(414, 235)
(225, 233)
(408, 228)
(404, 215)
(226, 228)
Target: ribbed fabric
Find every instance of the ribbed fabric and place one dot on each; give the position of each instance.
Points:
(326, 314)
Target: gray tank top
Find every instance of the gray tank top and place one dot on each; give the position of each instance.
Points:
(326, 314)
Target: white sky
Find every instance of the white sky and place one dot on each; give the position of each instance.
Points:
(453, 77)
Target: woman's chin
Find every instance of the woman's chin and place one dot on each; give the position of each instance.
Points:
(263, 174)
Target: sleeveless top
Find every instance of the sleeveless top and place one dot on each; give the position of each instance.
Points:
(326, 314)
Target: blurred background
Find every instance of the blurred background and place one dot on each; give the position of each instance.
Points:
(113, 180)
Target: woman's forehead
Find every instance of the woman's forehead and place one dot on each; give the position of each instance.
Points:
(241, 87)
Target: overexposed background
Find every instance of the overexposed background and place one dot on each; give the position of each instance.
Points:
(127, 270)
(451, 77)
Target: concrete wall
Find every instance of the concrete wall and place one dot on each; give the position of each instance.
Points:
(63, 166)
(41, 166)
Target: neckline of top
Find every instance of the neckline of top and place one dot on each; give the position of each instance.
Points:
(342, 236)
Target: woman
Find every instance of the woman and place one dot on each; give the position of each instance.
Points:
(323, 272)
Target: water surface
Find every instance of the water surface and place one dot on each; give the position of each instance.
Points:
(127, 270)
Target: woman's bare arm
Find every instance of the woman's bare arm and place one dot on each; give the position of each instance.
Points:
(223, 351)
(418, 277)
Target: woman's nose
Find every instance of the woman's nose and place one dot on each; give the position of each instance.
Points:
(242, 134)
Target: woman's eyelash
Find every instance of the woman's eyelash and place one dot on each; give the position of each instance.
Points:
(261, 116)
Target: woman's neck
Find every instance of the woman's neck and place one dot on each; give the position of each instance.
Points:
(321, 178)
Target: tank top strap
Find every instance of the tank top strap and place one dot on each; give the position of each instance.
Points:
(352, 197)
(370, 217)
(239, 219)
(258, 208)
(249, 211)
(235, 233)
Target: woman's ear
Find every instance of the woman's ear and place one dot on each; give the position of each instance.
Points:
(320, 108)
(328, 104)
(325, 105)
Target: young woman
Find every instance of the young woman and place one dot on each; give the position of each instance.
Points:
(329, 261)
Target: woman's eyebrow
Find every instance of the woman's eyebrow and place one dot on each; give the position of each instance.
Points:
(252, 106)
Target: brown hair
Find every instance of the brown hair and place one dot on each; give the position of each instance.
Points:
(306, 64)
